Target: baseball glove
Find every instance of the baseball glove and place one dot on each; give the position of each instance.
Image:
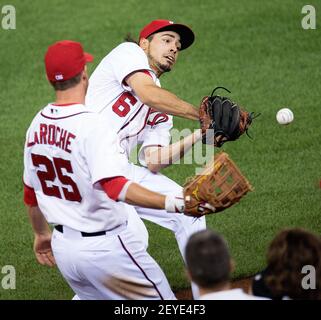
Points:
(222, 120)
(220, 184)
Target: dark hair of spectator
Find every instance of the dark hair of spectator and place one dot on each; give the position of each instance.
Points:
(208, 259)
(288, 253)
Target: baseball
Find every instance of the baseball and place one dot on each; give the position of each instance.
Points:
(284, 116)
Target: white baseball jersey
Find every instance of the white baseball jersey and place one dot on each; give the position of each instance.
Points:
(136, 123)
(120, 107)
(232, 294)
(68, 150)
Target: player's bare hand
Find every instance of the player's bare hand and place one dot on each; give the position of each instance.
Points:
(43, 250)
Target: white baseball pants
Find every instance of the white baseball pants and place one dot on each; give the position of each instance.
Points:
(112, 266)
(181, 225)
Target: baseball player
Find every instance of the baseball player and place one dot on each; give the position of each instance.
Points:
(125, 90)
(79, 182)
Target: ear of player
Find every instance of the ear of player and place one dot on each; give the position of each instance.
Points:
(222, 120)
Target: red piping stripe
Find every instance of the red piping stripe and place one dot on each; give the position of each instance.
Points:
(64, 117)
(137, 133)
(140, 268)
(64, 104)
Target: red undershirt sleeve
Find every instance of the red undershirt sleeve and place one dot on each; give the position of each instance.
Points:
(29, 196)
(113, 186)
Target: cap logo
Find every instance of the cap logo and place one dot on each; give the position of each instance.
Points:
(59, 77)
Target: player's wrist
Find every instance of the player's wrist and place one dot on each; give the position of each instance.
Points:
(174, 204)
(42, 234)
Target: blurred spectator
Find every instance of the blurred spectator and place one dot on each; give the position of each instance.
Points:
(209, 265)
(284, 276)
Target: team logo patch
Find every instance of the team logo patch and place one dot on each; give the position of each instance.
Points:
(59, 77)
(157, 119)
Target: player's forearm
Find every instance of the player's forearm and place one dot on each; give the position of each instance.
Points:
(140, 196)
(161, 157)
(38, 221)
(165, 101)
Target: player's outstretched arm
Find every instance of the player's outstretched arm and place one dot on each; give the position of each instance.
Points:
(42, 233)
(140, 196)
(121, 189)
(160, 99)
(157, 158)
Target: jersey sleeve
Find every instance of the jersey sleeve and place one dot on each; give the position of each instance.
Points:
(113, 186)
(127, 58)
(26, 171)
(157, 133)
(29, 196)
(103, 153)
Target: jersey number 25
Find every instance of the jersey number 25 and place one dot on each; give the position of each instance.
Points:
(54, 169)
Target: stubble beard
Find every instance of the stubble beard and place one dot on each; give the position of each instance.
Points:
(161, 67)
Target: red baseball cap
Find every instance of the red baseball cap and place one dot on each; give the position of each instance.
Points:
(186, 34)
(65, 59)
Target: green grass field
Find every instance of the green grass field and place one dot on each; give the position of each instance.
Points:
(257, 49)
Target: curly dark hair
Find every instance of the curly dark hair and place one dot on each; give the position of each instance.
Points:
(288, 253)
(130, 38)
